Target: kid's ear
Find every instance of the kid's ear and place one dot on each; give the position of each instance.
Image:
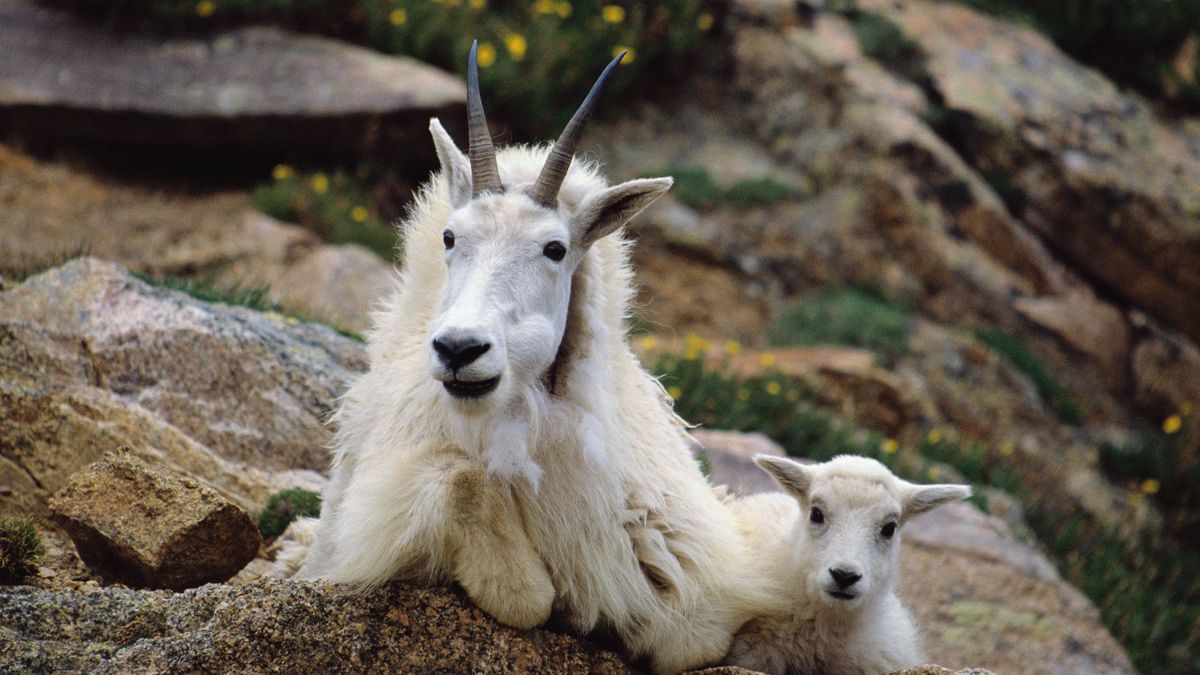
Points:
(792, 476)
(921, 498)
(602, 213)
(454, 164)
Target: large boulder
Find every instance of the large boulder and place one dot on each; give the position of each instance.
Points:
(93, 360)
(253, 89)
(147, 526)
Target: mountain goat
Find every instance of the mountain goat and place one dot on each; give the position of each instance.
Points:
(505, 436)
(828, 552)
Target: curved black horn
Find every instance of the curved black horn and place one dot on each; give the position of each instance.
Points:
(545, 190)
(485, 175)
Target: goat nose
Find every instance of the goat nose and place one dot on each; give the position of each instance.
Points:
(844, 579)
(455, 353)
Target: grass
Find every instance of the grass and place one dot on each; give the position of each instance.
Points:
(1165, 466)
(537, 58)
(1017, 354)
(1148, 591)
(232, 295)
(881, 39)
(696, 187)
(285, 506)
(336, 206)
(846, 316)
(21, 548)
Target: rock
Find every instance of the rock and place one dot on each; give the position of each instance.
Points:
(93, 360)
(1083, 322)
(149, 527)
(1111, 188)
(259, 90)
(277, 626)
(730, 456)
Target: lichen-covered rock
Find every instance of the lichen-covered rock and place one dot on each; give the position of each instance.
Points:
(148, 527)
(277, 627)
(254, 88)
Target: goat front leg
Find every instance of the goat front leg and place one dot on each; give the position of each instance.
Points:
(494, 559)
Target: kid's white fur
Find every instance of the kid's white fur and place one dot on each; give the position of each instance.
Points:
(805, 627)
(585, 502)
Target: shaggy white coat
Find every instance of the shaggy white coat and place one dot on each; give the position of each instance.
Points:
(804, 628)
(603, 517)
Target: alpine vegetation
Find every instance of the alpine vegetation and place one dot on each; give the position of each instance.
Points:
(828, 552)
(505, 436)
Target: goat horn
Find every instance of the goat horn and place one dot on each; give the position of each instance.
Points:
(545, 190)
(485, 175)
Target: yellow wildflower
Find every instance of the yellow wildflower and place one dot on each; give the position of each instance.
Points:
(649, 342)
(486, 54)
(613, 13)
(398, 17)
(206, 8)
(625, 48)
(1172, 424)
(733, 347)
(282, 172)
(934, 473)
(1135, 500)
(704, 21)
(698, 343)
(890, 446)
(358, 214)
(691, 354)
(743, 394)
(544, 6)
(767, 360)
(934, 436)
(1007, 449)
(516, 46)
(477, 4)
(674, 392)
(773, 388)
(563, 9)
(1150, 486)
(319, 184)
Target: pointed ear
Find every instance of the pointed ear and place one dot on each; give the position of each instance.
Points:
(921, 498)
(605, 211)
(454, 164)
(792, 476)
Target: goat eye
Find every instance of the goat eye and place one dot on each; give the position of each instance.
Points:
(554, 251)
(816, 516)
(448, 239)
(888, 530)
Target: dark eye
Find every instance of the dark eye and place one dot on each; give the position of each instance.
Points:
(448, 239)
(888, 530)
(816, 516)
(554, 251)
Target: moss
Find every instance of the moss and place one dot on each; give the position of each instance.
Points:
(21, 548)
(284, 507)
(845, 316)
(696, 187)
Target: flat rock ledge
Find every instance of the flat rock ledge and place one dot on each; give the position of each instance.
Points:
(147, 526)
(62, 77)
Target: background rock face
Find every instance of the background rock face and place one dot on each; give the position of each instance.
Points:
(145, 526)
(249, 89)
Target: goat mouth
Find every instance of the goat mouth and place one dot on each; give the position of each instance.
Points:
(842, 595)
(465, 389)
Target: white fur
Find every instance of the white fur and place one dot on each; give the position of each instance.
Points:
(583, 501)
(805, 629)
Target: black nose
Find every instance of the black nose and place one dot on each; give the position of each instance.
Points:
(455, 354)
(844, 579)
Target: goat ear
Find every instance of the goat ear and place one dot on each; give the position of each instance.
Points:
(921, 498)
(792, 476)
(454, 164)
(602, 213)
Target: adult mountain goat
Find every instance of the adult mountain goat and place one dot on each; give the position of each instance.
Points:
(506, 437)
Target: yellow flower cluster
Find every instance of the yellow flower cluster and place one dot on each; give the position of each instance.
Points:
(613, 13)
(733, 347)
(398, 17)
(319, 184)
(516, 46)
(630, 55)
(773, 388)
(206, 8)
(1150, 486)
(674, 392)
(359, 214)
(890, 446)
(486, 54)
(934, 436)
(282, 172)
(767, 361)
(561, 8)
(649, 343)
(705, 21)
(1172, 424)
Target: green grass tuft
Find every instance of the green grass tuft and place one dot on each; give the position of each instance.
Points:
(882, 40)
(695, 187)
(757, 192)
(21, 548)
(1017, 354)
(845, 317)
(284, 507)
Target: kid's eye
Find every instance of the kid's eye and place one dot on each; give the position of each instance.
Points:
(448, 239)
(888, 530)
(816, 516)
(554, 251)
